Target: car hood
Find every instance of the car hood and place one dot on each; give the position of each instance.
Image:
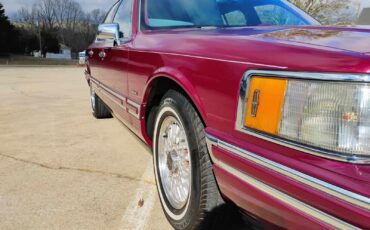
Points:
(352, 39)
(308, 48)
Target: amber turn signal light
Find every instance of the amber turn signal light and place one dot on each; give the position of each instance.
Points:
(264, 104)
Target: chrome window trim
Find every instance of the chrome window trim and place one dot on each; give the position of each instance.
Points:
(139, 16)
(335, 191)
(126, 39)
(113, 11)
(243, 98)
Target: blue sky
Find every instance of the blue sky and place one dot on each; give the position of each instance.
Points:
(12, 6)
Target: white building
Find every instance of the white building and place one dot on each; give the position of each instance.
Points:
(64, 53)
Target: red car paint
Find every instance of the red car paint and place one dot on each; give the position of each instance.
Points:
(208, 64)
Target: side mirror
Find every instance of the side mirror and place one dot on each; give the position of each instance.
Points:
(109, 34)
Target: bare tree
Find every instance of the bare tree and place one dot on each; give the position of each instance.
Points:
(60, 14)
(46, 13)
(75, 14)
(97, 16)
(327, 11)
(67, 15)
(28, 17)
(64, 19)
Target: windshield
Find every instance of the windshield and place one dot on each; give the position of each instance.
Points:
(157, 14)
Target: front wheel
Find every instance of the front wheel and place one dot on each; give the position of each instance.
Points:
(183, 170)
(99, 109)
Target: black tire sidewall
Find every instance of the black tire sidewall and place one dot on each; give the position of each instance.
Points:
(191, 214)
(100, 109)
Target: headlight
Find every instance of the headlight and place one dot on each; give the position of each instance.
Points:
(330, 116)
(333, 116)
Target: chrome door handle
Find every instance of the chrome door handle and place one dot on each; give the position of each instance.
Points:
(102, 54)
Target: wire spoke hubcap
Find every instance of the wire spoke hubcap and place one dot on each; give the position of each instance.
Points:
(174, 162)
(92, 99)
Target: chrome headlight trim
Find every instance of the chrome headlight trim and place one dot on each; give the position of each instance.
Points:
(332, 77)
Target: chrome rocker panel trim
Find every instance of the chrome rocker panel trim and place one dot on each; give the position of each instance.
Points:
(243, 97)
(123, 102)
(339, 193)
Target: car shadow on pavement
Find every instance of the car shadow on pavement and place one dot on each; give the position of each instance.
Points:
(227, 216)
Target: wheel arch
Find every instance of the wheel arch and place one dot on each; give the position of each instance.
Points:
(158, 84)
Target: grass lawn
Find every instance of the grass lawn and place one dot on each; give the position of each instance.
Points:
(27, 60)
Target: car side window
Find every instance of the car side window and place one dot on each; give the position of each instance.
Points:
(124, 18)
(111, 13)
(235, 18)
(277, 16)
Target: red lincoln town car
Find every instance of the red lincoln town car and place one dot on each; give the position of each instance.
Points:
(250, 102)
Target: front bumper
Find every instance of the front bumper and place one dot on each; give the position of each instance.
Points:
(281, 195)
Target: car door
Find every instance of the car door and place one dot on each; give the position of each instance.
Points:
(96, 49)
(113, 70)
(111, 59)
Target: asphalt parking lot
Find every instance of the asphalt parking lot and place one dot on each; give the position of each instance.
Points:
(60, 168)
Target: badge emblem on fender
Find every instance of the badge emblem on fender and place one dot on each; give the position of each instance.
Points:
(255, 102)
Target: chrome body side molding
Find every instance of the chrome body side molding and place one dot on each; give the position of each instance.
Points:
(310, 181)
(123, 102)
(322, 186)
(136, 111)
(294, 203)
